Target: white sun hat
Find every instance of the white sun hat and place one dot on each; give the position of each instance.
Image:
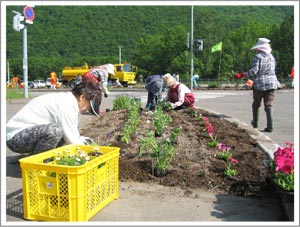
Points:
(262, 45)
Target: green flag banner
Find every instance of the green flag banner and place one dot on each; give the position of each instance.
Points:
(216, 47)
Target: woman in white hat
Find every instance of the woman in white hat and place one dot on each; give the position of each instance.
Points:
(178, 93)
(265, 81)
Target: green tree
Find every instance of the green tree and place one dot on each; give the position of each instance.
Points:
(282, 40)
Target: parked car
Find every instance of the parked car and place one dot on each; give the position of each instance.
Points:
(39, 84)
(30, 84)
(48, 83)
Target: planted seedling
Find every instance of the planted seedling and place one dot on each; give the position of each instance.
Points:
(161, 150)
(160, 121)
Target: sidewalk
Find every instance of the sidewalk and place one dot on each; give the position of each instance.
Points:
(151, 203)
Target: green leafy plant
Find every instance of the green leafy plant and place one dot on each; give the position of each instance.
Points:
(225, 155)
(133, 106)
(213, 142)
(165, 105)
(174, 134)
(122, 102)
(230, 172)
(132, 122)
(160, 120)
(80, 158)
(71, 160)
(162, 150)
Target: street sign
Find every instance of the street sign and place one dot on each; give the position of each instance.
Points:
(29, 13)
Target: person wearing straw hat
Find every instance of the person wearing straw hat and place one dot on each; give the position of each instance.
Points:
(51, 120)
(178, 94)
(100, 74)
(265, 81)
(154, 84)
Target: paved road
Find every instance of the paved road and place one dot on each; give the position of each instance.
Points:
(140, 202)
(238, 105)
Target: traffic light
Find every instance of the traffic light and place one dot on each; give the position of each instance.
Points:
(17, 25)
(200, 44)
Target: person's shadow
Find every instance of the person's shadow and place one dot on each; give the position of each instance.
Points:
(14, 204)
(13, 168)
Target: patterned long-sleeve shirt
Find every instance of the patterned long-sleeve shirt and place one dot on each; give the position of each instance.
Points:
(263, 71)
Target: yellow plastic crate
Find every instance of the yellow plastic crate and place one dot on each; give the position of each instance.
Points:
(54, 192)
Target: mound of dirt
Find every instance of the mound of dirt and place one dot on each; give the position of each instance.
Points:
(196, 164)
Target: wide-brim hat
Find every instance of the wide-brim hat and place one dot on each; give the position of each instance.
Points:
(110, 69)
(263, 45)
(169, 80)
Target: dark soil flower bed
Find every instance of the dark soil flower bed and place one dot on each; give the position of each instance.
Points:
(196, 164)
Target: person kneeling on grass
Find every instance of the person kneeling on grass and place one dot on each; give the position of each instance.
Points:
(51, 120)
(178, 93)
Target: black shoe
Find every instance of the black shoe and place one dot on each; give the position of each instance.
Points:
(269, 130)
(253, 125)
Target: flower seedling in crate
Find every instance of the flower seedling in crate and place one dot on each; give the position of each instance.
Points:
(67, 158)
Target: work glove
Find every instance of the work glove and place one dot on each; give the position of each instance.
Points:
(240, 75)
(172, 105)
(86, 140)
(159, 100)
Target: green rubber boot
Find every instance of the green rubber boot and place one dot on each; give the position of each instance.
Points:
(255, 115)
(269, 113)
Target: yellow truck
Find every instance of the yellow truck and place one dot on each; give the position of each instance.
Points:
(125, 73)
(69, 74)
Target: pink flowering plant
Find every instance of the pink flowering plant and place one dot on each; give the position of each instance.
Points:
(225, 154)
(282, 167)
(225, 151)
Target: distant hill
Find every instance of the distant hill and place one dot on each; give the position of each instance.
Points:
(66, 31)
(70, 35)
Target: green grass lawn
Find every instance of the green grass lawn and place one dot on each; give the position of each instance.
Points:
(14, 93)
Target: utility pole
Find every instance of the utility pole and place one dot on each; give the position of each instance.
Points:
(8, 72)
(25, 62)
(192, 45)
(27, 17)
(120, 54)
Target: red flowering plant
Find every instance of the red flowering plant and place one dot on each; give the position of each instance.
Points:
(282, 167)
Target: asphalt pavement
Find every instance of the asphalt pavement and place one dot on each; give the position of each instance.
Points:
(150, 204)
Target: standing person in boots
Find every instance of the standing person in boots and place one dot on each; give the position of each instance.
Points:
(265, 81)
(178, 94)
